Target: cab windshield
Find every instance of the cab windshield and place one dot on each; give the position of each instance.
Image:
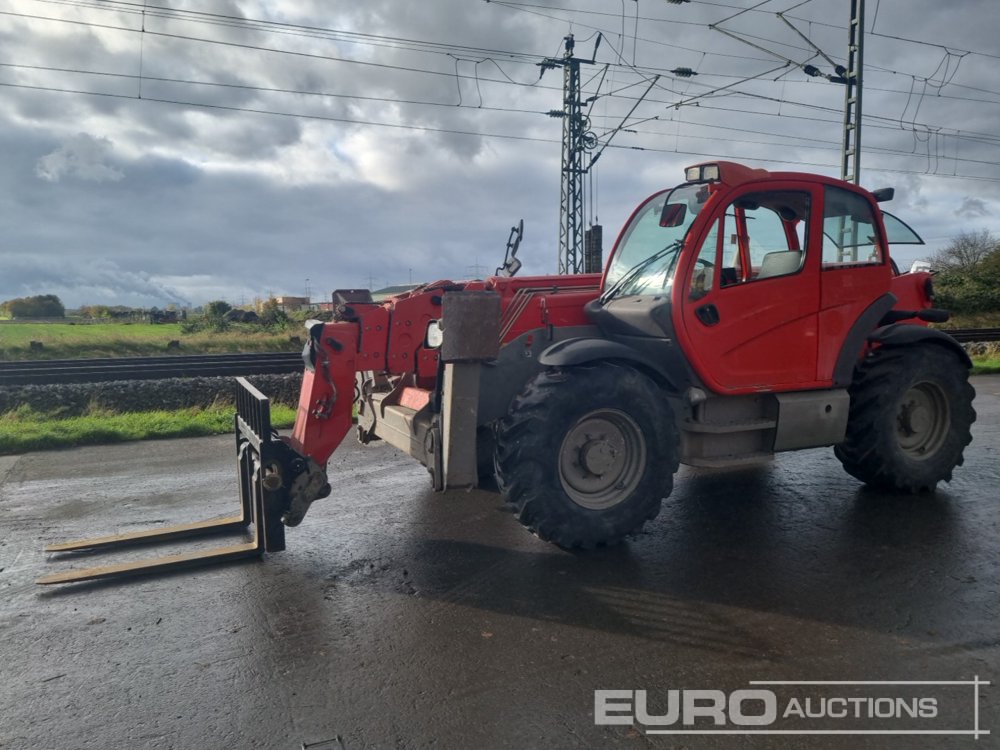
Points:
(646, 258)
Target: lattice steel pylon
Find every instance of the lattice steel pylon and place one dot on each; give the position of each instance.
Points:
(850, 166)
(571, 194)
(576, 141)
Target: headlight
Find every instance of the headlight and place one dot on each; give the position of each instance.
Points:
(435, 335)
(703, 173)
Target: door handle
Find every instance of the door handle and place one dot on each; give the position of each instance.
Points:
(708, 314)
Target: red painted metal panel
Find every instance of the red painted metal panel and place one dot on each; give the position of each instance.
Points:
(326, 401)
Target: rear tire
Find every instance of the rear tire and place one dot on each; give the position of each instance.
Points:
(910, 418)
(586, 454)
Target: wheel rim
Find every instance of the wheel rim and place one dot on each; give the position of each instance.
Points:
(602, 459)
(922, 420)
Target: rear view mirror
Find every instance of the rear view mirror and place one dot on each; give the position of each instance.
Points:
(673, 214)
(511, 265)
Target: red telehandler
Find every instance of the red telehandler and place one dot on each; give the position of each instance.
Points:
(740, 314)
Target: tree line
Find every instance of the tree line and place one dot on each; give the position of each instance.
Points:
(50, 306)
(967, 281)
(39, 306)
(968, 274)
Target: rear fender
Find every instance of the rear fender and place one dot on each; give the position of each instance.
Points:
(903, 334)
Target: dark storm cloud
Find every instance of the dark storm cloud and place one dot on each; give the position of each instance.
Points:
(171, 219)
(74, 279)
(116, 198)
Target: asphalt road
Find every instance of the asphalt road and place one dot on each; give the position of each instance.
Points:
(403, 618)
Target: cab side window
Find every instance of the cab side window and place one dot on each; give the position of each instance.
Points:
(704, 270)
(767, 236)
(849, 235)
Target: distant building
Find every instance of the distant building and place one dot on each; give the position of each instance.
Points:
(292, 304)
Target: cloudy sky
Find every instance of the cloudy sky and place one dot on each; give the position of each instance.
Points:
(177, 152)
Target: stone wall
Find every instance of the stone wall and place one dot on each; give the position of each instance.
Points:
(145, 395)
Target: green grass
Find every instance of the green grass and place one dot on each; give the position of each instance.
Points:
(986, 366)
(25, 430)
(71, 341)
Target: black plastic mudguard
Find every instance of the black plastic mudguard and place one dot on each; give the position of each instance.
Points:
(904, 334)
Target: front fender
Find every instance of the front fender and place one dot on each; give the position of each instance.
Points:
(579, 351)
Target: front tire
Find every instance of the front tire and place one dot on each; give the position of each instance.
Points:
(586, 454)
(910, 418)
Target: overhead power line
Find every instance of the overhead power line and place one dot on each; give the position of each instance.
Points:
(269, 89)
(743, 36)
(623, 124)
(458, 131)
(909, 40)
(525, 58)
(686, 101)
(246, 46)
(261, 111)
(313, 32)
(612, 94)
(282, 27)
(607, 32)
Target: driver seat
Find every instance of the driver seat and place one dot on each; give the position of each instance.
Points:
(780, 263)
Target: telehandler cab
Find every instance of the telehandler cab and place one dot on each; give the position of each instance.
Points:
(741, 314)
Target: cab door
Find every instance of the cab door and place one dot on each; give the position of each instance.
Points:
(749, 295)
(854, 272)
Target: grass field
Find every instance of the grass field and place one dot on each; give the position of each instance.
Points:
(24, 430)
(69, 341)
(986, 366)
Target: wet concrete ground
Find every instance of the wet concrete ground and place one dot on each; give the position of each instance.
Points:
(403, 618)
